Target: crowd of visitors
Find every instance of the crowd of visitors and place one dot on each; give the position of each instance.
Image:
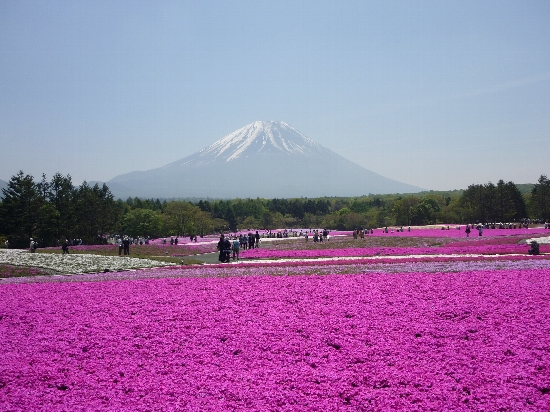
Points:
(230, 245)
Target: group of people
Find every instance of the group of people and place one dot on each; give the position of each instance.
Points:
(231, 247)
(70, 242)
(481, 226)
(360, 233)
(479, 229)
(318, 236)
(123, 245)
(250, 241)
(226, 247)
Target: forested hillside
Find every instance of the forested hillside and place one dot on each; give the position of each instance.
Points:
(54, 210)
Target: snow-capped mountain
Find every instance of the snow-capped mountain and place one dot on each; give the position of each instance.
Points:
(258, 138)
(262, 159)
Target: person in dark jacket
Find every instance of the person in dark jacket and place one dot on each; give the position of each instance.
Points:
(220, 247)
(227, 249)
(126, 245)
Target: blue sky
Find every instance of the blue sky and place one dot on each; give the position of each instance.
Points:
(437, 94)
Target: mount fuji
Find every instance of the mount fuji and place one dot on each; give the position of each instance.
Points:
(262, 159)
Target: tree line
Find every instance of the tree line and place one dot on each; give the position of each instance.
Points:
(55, 210)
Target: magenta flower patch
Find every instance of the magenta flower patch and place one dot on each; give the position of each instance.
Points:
(484, 249)
(469, 340)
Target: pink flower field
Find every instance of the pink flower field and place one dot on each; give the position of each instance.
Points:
(461, 326)
(473, 340)
(458, 233)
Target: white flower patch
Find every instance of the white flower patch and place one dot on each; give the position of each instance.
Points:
(541, 240)
(76, 263)
(364, 258)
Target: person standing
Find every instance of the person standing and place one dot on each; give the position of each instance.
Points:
(236, 247)
(220, 248)
(227, 249)
(65, 247)
(119, 243)
(7, 244)
(257, 239)
(32, 246)
(126, 244)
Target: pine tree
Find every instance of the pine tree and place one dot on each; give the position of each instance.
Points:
(19, 210)
(540, 199)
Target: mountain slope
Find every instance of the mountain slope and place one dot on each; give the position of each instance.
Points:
(262, 159)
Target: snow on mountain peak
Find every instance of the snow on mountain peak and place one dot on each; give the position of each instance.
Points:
(260, 137)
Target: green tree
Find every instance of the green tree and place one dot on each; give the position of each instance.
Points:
(540, 199)
(46, 225)
(184, 218)
(20, 210)
(248, 223)
(142, 222)
(404, 210)
(95, 212)
(477, 201)
(60, 195)
(268, 220)
(510, 204)
(426, 211)
(489, 203)
(205, 223)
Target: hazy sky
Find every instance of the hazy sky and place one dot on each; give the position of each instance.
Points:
(438, 94)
